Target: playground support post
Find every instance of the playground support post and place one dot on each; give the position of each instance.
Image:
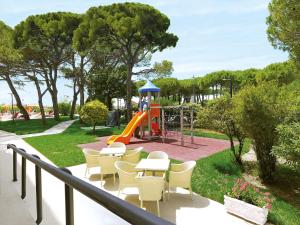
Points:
(163, 124)
(149, 114)
(141, 109)
(158, 98)
(181, 125)
(192, 125)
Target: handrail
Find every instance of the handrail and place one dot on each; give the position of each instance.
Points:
(123, 209)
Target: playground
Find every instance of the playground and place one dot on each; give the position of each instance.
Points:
(201, 148)
(154, 122)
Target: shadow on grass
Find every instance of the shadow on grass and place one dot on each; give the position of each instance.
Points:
(286, 184)
(227, 168)
(76, 129)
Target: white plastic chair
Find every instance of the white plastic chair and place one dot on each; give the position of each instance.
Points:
(117, 145)
(151, 189)
(107, 166)
(157, 155)
(132, 156)
(127, 175)
(181, 175)
(91, 157)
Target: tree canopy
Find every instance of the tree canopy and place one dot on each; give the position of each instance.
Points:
(45, 40)
(135, 30)
(283, 26)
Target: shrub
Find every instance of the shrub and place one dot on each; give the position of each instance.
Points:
(218, 115)
(167, 102)
(246, 192)
(36, 109)
(288, 144)
(4, 108)
(94, 112)
(64, 108)
(259, 110)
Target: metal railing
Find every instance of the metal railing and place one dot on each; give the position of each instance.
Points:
(123, 209)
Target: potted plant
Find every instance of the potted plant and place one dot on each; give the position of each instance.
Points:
(248, 202)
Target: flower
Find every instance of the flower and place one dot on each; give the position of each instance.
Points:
(251, 194)
(244, 186)
(268, 206)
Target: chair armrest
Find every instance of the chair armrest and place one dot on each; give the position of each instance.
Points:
(176, 167)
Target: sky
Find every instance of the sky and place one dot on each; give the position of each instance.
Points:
(213, 35)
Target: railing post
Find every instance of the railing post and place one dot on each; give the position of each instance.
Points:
(38, 191)
(14, 166)
(23, 172)
(69, 201)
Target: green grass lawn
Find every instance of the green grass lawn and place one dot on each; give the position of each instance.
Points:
(213, 176)
(62, 148)
(29, 126)
(207, 133)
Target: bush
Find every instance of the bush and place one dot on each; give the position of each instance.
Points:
(218, 115)
(64, 108)
(36, 109)
(288, 144)
(94, 112)
(259, 110)
(167, 102)
(4, 108)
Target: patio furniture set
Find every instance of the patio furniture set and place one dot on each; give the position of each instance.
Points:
(148, 175)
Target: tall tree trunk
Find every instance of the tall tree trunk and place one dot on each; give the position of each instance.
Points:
(40, 100)
(81, 81)
(51, 85)
(266, 161)
(81, 93)
(109, 102)
(17, 97)
(73, 105)
(129, 92)
(74, 100)
(53, 94)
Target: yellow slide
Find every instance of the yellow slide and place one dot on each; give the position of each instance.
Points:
(129, 130)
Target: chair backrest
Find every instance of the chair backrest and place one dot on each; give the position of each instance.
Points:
(185, 176)
(157, 155)
(117, 145)
(125, 166)
(125, 171)
(188, 165)
(91, 156)
(139, 149)
(107, 164)
(150, 188)
(133, 156)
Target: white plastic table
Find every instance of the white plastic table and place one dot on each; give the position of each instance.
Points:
(153, 165)
(112, 151)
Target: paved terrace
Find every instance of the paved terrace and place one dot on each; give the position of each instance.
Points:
(180, 209)
(201, 148)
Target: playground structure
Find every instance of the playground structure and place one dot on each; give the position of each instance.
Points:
(153, 121)
(177, 121)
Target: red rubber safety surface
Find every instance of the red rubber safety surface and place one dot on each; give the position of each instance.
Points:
(202, 147)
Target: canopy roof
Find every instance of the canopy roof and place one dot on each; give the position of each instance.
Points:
(149, 87)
